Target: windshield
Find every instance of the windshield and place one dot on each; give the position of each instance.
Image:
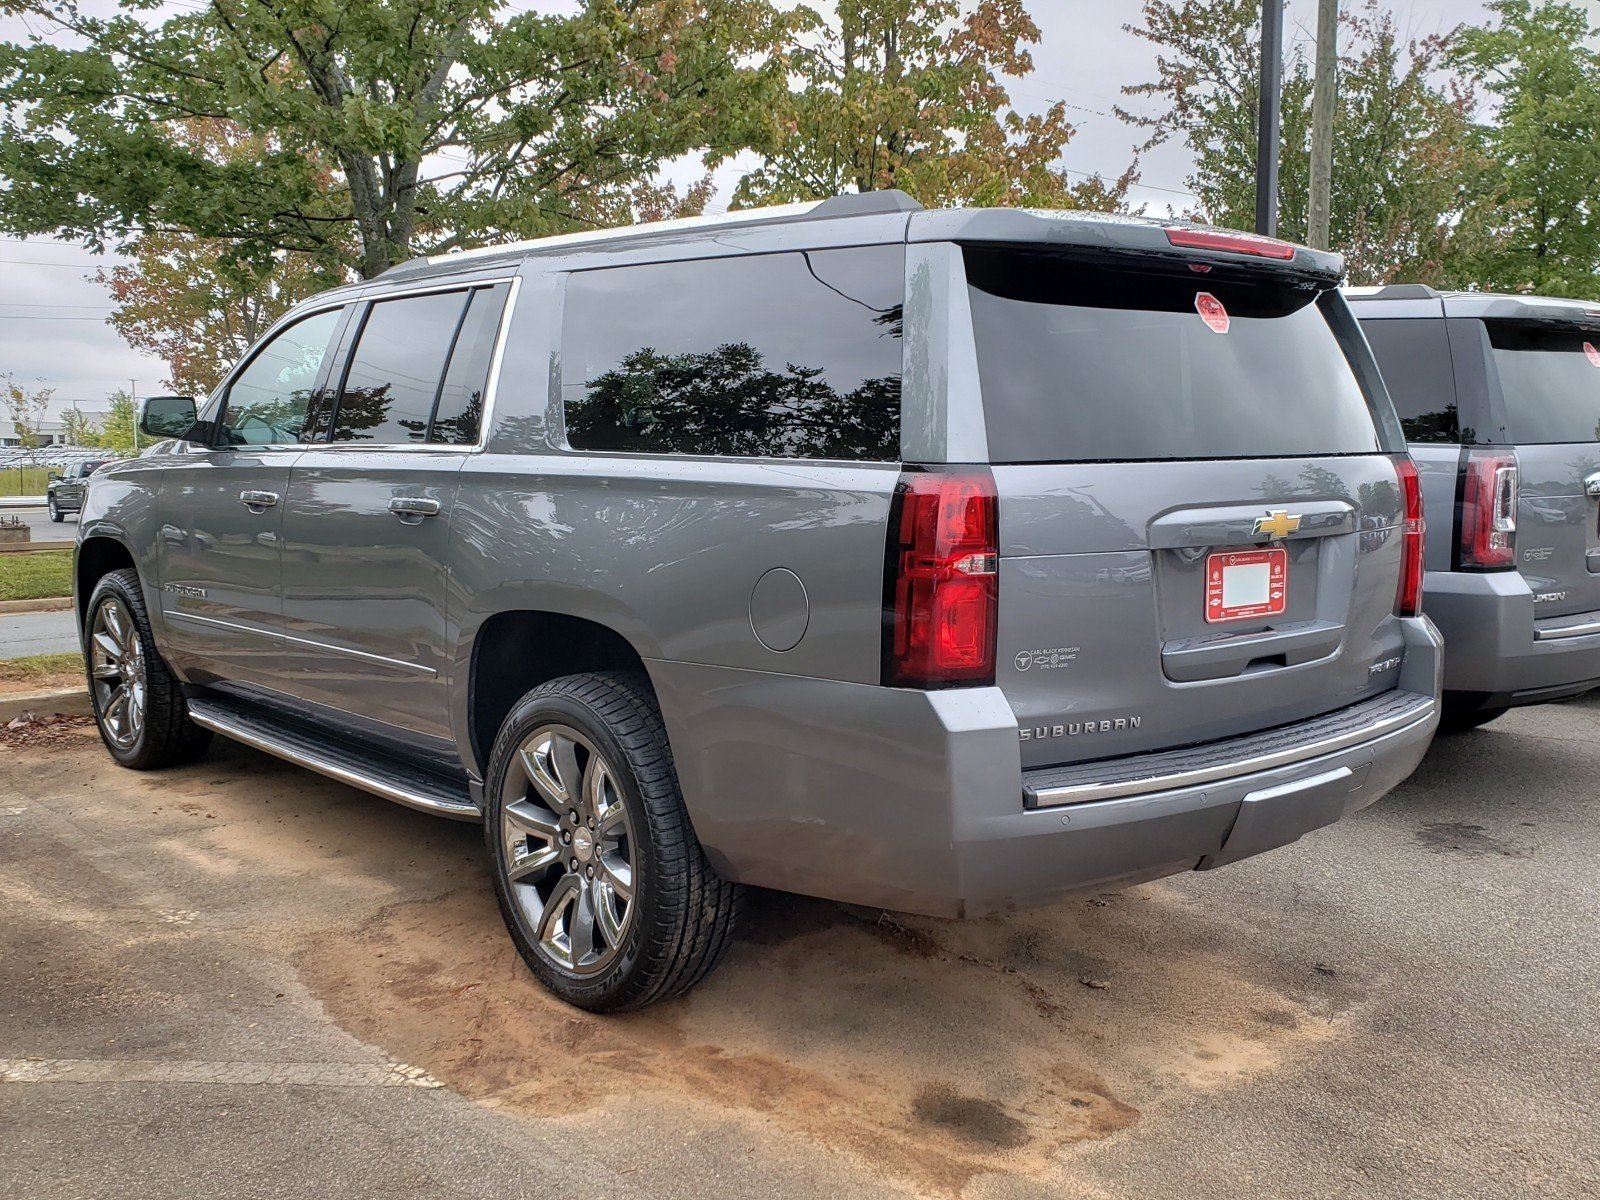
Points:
(1085, 361)
(1551, 382)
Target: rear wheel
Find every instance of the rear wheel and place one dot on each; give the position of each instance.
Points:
(601, 880)
(1465, 722)
(138, 704)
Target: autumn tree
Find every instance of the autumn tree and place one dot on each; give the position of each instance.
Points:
(447, 122)
(908, 94)
(26, 407)
(1540, 64)
(1405, 164)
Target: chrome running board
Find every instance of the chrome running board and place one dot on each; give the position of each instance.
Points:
(415, 789)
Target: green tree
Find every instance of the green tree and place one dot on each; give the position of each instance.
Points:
(1540, 64)
(447, 122)
(907, 94)
(1405, 163)
(119, 431)
(26, 407)
(78, 430)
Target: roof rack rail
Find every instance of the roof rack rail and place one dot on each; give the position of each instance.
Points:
(1396, 291)
(857, 204)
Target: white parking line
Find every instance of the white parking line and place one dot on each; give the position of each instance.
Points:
(292, 1074)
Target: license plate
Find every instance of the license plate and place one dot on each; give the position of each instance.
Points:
(1246, 583)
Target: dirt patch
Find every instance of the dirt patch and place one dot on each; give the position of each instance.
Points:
(931, 1052)
(899, 1041)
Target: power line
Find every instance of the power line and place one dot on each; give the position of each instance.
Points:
(10, 317)
(34, 262)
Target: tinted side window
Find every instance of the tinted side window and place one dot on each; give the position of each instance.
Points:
(1414, 356)
(460, 408)
(788, 355)
(1551, 381)
(397, 368)
(267, 402)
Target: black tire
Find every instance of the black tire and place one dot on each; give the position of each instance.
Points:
(681, 916)
(1453, 722)
(165, 736)
(56, 514)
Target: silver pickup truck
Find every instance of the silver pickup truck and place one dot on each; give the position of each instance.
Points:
(939, 561)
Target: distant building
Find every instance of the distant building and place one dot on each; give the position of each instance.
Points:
(52, 430)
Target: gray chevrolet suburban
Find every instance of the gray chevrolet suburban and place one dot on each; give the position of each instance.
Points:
(1499, 397)
(936, 561)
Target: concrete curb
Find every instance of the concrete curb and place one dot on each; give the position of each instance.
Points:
(68, 702)
(41, 604)
(33, 547)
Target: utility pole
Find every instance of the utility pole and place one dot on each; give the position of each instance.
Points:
(1268, 123)
(1319, 215)
(133, 397)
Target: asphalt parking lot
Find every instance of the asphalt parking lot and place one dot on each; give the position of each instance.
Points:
(240, 979)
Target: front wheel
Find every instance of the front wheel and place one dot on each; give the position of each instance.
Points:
(138, 704)
(56, 514)
(601, 880)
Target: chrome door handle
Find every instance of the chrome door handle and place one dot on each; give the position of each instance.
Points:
(258, 501)
(1591, 484)
(413, 506)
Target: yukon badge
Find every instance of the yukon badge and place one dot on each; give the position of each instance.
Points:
(1277, 524)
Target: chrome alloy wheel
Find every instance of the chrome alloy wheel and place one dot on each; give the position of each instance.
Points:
(116, 667)
(568, 849)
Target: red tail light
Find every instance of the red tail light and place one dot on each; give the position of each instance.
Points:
(1488, 537)
(1234, 243)
(943, 580)
(1408, 599)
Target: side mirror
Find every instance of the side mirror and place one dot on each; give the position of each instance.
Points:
(167, 416)
(53, 475)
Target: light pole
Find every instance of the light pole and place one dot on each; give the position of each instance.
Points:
(1268, 123)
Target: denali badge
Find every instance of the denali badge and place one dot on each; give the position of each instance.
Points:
(1078, 728)
(1277, 524)
(185, 589)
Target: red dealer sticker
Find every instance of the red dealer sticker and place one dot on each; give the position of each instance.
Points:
(1246, 583)
(1212, 312)
(1594, 355)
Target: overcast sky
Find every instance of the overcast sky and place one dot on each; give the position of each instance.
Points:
(52, 329)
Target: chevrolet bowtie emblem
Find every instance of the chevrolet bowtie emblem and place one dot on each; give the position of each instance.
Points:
(1277, 524)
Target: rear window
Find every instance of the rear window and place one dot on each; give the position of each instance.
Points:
(1086, 361)
(1551, 382)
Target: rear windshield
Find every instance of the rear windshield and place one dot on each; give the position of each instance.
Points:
(1551, 382)
(1086, 361)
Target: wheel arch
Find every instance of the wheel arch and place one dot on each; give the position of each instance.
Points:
(516, 650)
(96, 557)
